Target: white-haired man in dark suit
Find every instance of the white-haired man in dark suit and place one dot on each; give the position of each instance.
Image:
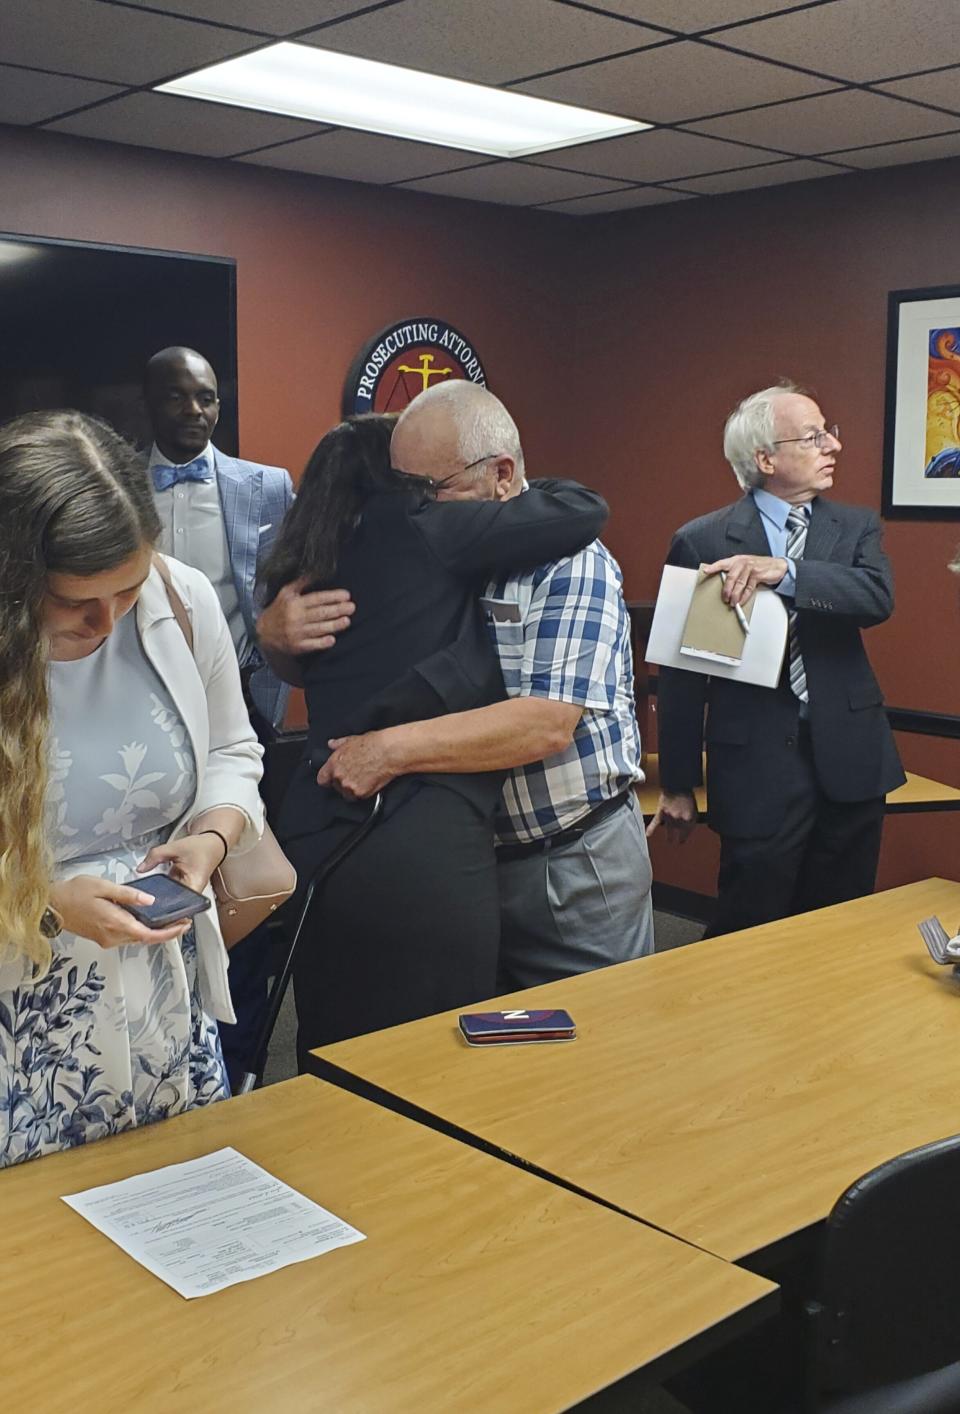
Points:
(796, 775)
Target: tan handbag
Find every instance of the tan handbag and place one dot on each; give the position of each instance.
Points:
(253, 885)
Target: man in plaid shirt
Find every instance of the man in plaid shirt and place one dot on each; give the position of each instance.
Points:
(573, 868)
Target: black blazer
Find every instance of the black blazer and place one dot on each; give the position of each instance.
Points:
(844, 584)
(417, 646)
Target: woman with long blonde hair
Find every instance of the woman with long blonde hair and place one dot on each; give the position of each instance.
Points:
(120, 751)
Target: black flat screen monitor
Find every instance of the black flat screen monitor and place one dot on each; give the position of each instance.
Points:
(79, 322)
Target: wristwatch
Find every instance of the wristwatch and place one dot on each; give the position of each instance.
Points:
(51, 923)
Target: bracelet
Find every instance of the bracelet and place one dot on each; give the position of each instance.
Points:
(221, 838)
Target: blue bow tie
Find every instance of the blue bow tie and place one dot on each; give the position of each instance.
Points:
(166, 476)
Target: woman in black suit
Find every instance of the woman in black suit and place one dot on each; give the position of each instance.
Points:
(408, 924)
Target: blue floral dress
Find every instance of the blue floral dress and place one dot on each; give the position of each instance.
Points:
(110, 1037)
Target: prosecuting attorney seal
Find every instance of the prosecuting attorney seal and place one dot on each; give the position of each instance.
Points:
(404, 359)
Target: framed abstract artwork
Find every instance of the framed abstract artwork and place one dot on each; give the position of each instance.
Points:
(921, 451)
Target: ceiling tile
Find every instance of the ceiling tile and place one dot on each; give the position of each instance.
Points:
(858, 40)
(512, 183)
(28, 96)
(109, 41)
(690, 16)
(942, 89)
(659, 156)
(624, 200)
(889, 155)
(776, 174)
(674, 83)
(266, 16)
(491, 42)
(363, 157)
(181, 125)
(846, 119)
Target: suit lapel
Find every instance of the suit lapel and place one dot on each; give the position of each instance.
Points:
(823, 533)
(241, 494)
(744, 530)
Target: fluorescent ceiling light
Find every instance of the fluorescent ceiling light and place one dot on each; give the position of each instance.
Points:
(324, 87)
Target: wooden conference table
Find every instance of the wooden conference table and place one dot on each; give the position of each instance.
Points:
(726, 1092)
(478, 1286)
(917, 795)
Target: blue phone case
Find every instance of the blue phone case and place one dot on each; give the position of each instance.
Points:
(484, 1028)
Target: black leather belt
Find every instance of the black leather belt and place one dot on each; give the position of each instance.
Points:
(606, 808)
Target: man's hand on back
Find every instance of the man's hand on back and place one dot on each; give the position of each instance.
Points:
(297, 622)
(360, 765)
(494, 738)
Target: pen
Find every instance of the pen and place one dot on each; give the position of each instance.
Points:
(741, 616)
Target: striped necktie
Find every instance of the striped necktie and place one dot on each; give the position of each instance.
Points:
(796, 540)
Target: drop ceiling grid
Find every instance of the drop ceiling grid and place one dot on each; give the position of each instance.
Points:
(765, 94)
(694, 16)
(275, 18)
(493, 42)
(342, 152)
(868, 42)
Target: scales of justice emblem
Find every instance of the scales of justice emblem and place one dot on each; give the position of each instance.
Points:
(405, 359)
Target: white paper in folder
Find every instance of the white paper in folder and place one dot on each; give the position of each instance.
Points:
(763, 649)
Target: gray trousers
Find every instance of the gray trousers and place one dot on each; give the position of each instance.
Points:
(581, 906)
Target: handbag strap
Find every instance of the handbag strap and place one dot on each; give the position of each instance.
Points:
(176, 603)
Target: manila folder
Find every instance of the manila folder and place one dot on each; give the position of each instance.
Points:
(712, 629)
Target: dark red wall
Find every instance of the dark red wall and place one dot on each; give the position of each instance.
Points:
(321, 266)
(619, 343)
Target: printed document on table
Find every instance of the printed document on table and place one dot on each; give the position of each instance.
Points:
(211, 1222)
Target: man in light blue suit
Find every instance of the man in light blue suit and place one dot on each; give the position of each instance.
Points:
(218, 513)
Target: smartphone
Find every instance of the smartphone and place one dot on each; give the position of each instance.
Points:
(493, 1028)
(172, 902)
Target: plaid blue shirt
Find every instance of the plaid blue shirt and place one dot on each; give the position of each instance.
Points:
(569, 641)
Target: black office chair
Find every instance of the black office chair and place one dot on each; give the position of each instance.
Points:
(884, 1335)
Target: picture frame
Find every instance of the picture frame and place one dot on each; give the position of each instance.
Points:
(921, 448)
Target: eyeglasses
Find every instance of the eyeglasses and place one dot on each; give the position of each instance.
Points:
(469, 467)
(813, 439)
(487, 457)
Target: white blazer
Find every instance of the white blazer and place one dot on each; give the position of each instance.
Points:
(205, 686)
